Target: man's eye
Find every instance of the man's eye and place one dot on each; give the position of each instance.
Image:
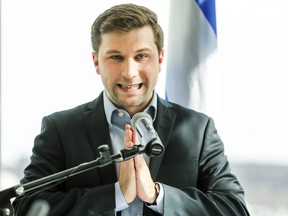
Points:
(117, 57)
(141, 56)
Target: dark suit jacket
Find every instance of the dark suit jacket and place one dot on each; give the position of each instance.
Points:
(194, 170)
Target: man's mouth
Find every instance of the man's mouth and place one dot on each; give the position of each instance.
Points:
(130, 87)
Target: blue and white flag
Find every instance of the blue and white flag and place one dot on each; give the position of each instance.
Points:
(192, 39)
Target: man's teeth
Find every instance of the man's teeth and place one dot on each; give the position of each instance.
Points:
(130, 86)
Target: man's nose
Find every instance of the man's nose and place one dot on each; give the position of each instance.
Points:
(130, 70)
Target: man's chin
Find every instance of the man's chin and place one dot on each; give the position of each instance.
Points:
(130, 103)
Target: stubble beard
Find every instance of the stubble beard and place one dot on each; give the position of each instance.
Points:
(130, 102)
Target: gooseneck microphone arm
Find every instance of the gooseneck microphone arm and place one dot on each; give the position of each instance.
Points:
(105, 158)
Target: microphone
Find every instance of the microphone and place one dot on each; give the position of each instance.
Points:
(142, 124)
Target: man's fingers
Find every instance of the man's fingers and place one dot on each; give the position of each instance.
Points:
(127, 175)
(128, 142)
(135, 138)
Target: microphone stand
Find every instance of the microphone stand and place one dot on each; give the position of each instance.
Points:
(105, 158)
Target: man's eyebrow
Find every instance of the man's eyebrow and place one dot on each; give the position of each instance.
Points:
(109, 52)
(112, 52)
(144, 49)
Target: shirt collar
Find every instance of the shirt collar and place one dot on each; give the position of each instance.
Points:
(109, 107)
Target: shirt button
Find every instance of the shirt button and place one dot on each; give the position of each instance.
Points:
(120, 114)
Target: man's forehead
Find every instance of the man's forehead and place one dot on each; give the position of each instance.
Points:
(137, 40)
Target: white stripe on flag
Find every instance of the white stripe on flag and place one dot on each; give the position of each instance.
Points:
(191, 40)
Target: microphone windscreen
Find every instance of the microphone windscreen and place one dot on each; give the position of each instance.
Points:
(138, 116)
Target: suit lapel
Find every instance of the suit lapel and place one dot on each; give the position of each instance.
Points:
(163, 124)
(98, 133)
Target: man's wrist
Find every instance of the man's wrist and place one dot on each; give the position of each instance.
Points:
(157, 191)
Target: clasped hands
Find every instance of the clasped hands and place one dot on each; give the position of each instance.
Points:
(134, 177)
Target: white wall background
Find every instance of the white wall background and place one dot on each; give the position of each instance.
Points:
(253, 68)
(47, 67)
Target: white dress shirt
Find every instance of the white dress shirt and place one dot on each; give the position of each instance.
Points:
(117, 119)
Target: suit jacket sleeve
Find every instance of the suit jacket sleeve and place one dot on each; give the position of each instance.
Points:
(195, 172)
(83, 194)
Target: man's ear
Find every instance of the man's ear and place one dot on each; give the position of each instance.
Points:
(161, 57)
(96, 62)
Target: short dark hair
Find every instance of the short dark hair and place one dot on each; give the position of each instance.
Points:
(125, 17)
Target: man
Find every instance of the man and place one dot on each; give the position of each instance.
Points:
(192, 177)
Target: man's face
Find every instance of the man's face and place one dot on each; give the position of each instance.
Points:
(129, 64)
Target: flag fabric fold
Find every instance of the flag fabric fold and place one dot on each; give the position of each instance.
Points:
(192, 38)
